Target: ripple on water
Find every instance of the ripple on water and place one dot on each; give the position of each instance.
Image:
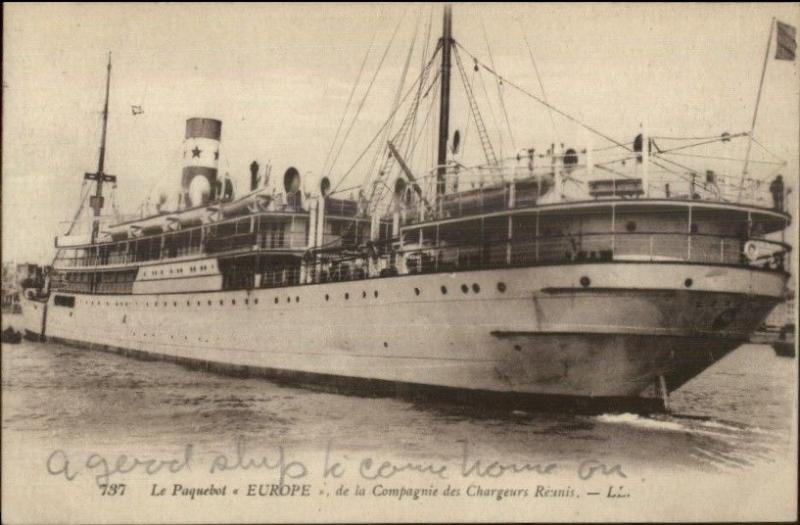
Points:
(736, 414)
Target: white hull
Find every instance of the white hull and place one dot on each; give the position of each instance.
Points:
(546, 334)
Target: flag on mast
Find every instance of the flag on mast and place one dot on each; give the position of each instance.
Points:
(787, 44)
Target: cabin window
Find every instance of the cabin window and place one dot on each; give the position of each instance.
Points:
(64, 300)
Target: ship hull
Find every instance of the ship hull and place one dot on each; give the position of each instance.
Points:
(33, 318)
(577, 334)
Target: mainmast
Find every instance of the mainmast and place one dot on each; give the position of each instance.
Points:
(96, 200)
(444, 109)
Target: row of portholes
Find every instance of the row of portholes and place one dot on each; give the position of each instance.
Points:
(199, 303)
(347, 295)
(177, 271)
(476, 288)
(501, 287)
(108, 303)
(630, 227)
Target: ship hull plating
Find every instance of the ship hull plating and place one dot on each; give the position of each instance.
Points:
(577, 333)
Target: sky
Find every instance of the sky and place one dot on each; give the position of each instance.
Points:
(279, 76)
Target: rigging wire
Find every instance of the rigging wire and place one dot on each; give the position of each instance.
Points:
(413, 145)
(85, 189)
(406, 128)
(486, 144)
(714, 157)
(766, 150)
(707, 137)
(499, 84)
(380, 130)
(423, 61)
(719, 138)
(538, 77)
(377, 191)
(366, 94)
(467, 111)
(543, 102)
(560, 112)
(396, 103)
(349, 100)
(491, 112)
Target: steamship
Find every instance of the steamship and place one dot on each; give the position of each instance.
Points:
(545, 279)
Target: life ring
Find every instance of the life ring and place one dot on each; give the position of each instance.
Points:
(751, 250)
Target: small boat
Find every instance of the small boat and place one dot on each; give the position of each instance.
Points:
(784, 346)
(10, 336)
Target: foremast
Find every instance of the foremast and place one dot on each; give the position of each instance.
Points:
(444, 109)
(97, 200)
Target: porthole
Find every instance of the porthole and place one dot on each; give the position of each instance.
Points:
(198, 303)
(385, 344)
(501, 287)
(630, 226)
(347, 296)
(221, 302)
(688, 283)
(444, 290)
(209, 302)
(363, 294)
(585, 281)
(327, 297)
(188, 303)
(694, 228)
(247, 301)
(476, 288)
(464, 288)
(288, 299)
(276, 300)
(375, 293)
(297, 299)
(416, 291)
(233, 302)
(175, 304)
(255, 301)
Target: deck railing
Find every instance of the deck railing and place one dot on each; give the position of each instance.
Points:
(589, 248)
(603, 247)
(497, 195)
